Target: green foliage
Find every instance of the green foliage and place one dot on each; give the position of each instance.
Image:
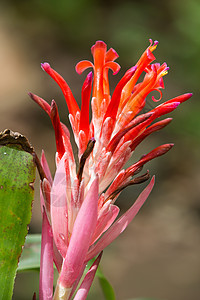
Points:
(105, 285)
(17, 175)
(30, 259)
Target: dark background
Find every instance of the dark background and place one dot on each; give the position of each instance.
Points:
(158, 255)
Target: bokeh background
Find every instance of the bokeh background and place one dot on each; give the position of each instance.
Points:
(159, 254)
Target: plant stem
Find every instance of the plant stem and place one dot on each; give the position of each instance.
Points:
(61, 293)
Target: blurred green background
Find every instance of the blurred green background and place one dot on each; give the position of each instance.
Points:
(158, 255)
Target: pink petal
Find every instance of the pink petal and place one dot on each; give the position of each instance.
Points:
(57, 258)
(46, 167)
(59, 208)
(107, 216)
(102, 164)
(87, 281)
(46, 189)
(83, 230)
(46, 261)
(41, 102)
(116, 182)
(120, 225)
(65, 130)
(106, 131)
(77, 281)
(42, 204)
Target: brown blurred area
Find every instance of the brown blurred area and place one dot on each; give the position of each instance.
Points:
(158, 255)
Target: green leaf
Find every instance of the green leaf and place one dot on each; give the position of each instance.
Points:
(105, 285)
(30, 259)
(17, 175)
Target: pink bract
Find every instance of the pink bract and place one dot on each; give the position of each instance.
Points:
(78, 205)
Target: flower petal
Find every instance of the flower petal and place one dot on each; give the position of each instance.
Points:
(158, 151)
(59, 211)
(106, 217)
(84, 117)
(83, 65)
(41, 102)
(87, 281)
(111, 55)
(115, 67)
(120, 225)
(115, 100)
(57, 129)
(46, 167)
(83, 230)
(46, 261)
(155, 127)
(71, 102)
(181, 98)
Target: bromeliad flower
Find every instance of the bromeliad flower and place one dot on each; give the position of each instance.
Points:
(78, 205)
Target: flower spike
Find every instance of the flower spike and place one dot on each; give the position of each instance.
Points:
(80, 217)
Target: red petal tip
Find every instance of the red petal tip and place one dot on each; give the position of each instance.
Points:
(53, 103)
(133, 69)
(98, 44)
(150, 41)
(54, 108)
(115, 73)
(31, 95)
(172, 105)
(176, 104)
(163, 149)
(165, 121)
(89, 77)
(188, 95)
(155, 42)
(45, 66)
(114, 52)
(171, 145)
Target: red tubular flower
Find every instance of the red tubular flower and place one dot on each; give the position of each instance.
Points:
(78, 205)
